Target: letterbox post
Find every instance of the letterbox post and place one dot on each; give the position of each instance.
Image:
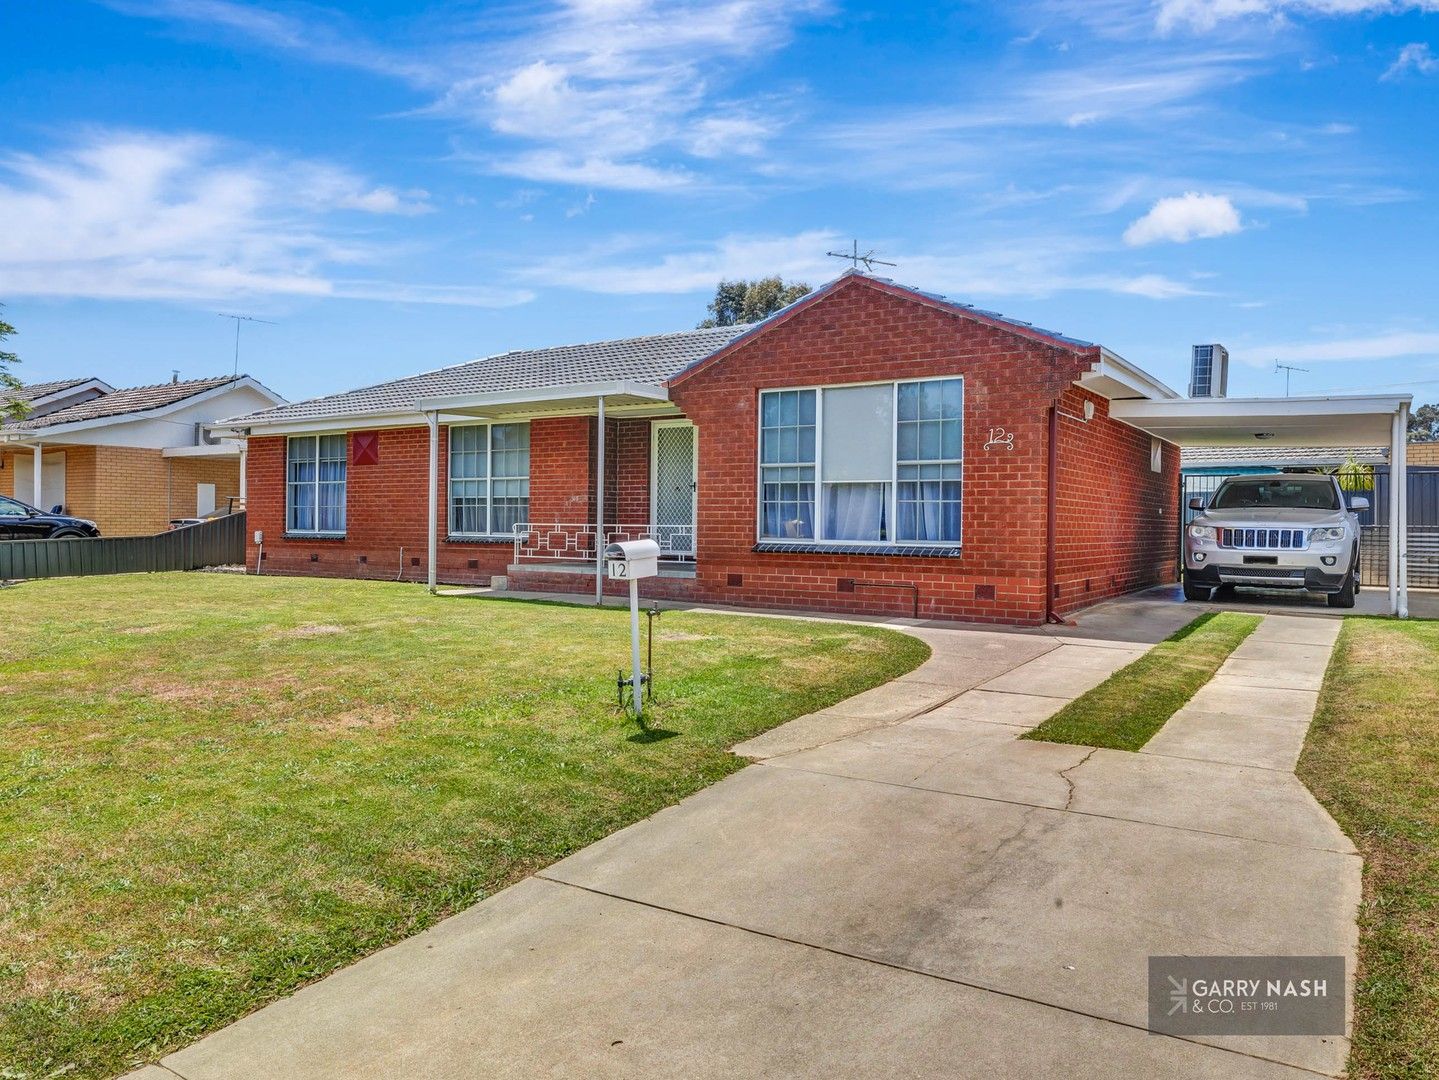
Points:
(636, 683)
(631, 560)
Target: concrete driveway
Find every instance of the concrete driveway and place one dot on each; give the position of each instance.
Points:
(899, 887)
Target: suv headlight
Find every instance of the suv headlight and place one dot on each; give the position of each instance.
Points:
(1202, 532)
(1329, 534)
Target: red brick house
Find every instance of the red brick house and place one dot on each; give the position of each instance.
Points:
(870, 448)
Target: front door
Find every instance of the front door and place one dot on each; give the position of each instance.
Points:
(673, 472)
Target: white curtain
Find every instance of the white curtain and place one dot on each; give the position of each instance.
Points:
(855, 512)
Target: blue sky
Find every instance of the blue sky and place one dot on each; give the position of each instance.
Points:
(403, 186)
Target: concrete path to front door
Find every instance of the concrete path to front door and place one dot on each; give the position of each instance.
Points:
(898, 887)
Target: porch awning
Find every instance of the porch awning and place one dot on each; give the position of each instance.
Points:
(571, 398)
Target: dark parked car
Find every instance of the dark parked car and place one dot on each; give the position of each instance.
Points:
(20, 521)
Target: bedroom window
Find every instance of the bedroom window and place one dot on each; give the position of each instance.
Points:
(315, 477)
(873, 464)
(489, 487)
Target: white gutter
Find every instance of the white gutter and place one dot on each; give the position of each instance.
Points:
(500, 398)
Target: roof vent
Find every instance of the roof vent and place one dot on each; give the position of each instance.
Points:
(1209, 372)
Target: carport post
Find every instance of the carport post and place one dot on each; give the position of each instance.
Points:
(1396, 451)
(37, 491)
(1400, 483)
(432, 551)
(600, 506)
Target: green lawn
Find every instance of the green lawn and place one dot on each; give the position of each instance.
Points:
(1372, 759)
(214, 789)
(1124, 711)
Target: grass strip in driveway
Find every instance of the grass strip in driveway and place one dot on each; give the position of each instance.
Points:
(1372, 759)
(1124, 711)
(215, 789)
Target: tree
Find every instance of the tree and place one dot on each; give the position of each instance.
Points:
(11, 407)
(739, 302)
(1424, 424)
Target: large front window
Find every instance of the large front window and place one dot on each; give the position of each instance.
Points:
(489, 478)
(315, 484)
(884, 461)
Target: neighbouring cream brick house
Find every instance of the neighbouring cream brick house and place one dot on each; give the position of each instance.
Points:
(129, 459)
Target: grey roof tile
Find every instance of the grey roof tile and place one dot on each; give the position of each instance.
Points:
(651, 359)
(1218, 457)
(137, 399)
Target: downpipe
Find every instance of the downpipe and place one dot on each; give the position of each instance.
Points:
(1050, 517)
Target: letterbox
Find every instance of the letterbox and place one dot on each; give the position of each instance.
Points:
(630, 560)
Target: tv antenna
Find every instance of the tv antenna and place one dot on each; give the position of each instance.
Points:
(855, 258)
(1288, 369)
(238, 320)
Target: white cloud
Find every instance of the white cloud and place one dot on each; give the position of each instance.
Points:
(604, 87)
(127, 215)
(1021, 267)
(1383, 346)
(1207, 14)
(1182, 218)
(615, 269)
(555, 166)
(591, 92)
(1417, 56)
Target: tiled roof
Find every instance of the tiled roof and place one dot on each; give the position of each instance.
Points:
(1278, 457)
(136, 399)
(993, 316)
(651, 359)
(35, 391)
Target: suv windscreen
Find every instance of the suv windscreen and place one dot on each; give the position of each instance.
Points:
(1278, 493)
(11, 508)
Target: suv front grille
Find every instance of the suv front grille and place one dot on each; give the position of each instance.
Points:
(1267, 573)
(1263, 539)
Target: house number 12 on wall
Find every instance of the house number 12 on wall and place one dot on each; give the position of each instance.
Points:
(1001, 438)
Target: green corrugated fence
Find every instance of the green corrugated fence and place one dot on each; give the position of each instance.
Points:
(220, 542)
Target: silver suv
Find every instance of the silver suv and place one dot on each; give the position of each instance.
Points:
(1287, 531)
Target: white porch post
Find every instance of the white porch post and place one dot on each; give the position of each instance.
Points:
(600, 506)
(1400, 483)
(432, 550)
(1396, 451)
(244, 472)
(37, 490)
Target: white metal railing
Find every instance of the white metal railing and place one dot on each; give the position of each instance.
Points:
(575, 541)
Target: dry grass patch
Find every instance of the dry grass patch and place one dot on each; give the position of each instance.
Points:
(298, 772)
(1372, 759)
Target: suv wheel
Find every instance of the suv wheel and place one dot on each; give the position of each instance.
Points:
(1196, 592)
(1344, 598)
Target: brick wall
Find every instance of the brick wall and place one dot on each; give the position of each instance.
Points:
(187, 473)
(1117, 520)
(857, 333)
(1423, 453)
(387, 503)
(860, 333)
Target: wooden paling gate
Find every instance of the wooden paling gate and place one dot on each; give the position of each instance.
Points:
(220, 542)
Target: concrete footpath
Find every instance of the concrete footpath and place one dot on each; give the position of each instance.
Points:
(899, 887)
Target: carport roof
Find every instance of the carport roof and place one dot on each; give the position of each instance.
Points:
(1359, 420)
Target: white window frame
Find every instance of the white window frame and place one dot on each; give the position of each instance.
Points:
(451, 478)
(316, 483)
(1156, 454)
(892, 484)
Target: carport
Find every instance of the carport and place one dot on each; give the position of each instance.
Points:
(1343, 421)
